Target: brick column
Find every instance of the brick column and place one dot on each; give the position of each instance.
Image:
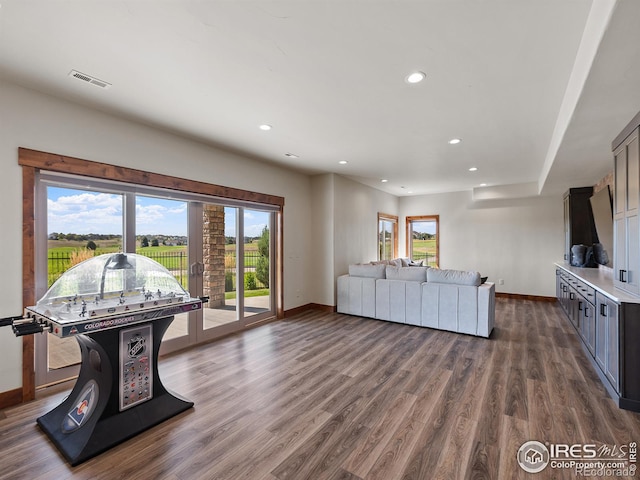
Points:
(214, 251)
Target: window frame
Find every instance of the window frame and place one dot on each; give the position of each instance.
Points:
(409, 233)
(384, 217)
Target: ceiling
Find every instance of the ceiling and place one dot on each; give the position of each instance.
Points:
(536, 90)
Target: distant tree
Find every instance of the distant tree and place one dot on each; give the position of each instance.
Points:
(144, 242)
(155, 243)
(91, 245)
(262, 266)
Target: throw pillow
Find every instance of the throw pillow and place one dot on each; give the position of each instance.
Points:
(458, 277)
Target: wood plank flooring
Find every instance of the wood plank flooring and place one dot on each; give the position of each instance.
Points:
(330, 396)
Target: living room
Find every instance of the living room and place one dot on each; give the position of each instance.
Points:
(512, 233)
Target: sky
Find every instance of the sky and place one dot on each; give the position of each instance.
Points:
(428, 226)
(82, 212)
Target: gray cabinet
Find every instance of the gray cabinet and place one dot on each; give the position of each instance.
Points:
(607, 322)
(588, 324)
(607, 349)
(626, 224)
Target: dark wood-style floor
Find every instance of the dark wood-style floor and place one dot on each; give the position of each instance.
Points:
(330, 396)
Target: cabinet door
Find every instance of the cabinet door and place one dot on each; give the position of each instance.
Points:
(581, 318)
(567, 230)
(612, 366)
(620, 250)
(574, 308)
(590, 327)
(607, 350)
(601, 331)
(632, 277)
(620, 180)
(633, 174)
(626, 226)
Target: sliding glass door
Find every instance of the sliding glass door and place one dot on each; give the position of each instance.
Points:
(215, 250)
(236, 267)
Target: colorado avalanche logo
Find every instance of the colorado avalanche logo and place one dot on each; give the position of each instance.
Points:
(82, 408)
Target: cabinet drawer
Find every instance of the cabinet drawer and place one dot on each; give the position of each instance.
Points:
(589, 293)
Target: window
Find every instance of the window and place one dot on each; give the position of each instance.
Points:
(387, 236)
(423, 239)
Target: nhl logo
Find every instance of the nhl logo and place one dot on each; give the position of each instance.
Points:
(136, 346)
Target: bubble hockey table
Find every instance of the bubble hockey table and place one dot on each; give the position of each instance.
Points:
(118, 393)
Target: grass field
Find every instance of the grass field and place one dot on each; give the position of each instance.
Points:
(172, 257)
(425, 249)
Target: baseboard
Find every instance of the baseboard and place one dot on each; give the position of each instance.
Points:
(518, 296)
(10, 398)
(309, 306)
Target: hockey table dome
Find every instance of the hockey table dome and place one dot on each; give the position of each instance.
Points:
(109, 284)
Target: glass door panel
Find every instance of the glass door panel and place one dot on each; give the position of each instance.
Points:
(79, 224)
(162, 235)
(236, 258)
(257, 271)
(220, 253)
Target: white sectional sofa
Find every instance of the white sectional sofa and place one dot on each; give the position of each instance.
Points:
(451, 300)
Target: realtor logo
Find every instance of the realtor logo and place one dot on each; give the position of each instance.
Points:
(533, 456)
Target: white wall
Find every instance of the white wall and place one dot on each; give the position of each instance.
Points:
(516, 240)
(322, 246)
(30, 119)
(356, 222)
(345, 223)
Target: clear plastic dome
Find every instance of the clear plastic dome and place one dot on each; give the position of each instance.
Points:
(109, 283)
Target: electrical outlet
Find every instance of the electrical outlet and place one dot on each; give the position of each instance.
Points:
(501, 281)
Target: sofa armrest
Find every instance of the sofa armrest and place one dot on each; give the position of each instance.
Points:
(357, 296)
(486, 308)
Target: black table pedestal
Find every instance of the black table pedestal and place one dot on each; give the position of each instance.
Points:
(117, 395)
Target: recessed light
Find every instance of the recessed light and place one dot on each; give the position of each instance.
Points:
(384, 180)
(343, 162)
(290, 155)
(265, 127)
(454, 141)
(415, 77)
(483, 184)
(473, 169)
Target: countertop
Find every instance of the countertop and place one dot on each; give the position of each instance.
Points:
(602, 280)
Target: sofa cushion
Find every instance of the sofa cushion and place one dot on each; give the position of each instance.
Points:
(367, 270)
(412, 274)
(458, 277)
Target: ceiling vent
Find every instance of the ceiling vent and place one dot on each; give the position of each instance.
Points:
(89, 79)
